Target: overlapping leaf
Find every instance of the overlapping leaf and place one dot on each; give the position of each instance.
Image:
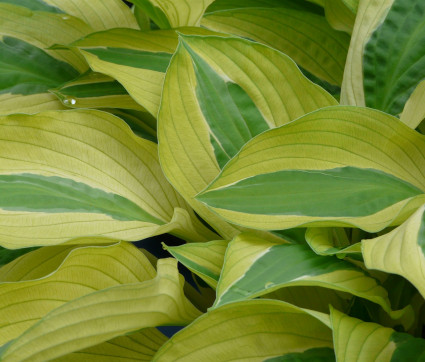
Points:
(28, 69)
(174, 13)
(414, 109)
(323, 162)
(95, 90)
(138, 60)
(330, 241)
(254, 267)
(30, 290)
(251, 330)
(369, 15)
(204, 259)
(215, 100)
(355, 340)
(102, 315)
(80, 173)
(303, 35)
(99, 14)
(401, 251)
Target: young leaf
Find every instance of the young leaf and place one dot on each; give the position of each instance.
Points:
(323, 163)
(251, 330)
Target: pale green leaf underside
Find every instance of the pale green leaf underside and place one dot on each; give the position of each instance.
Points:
(250, 330)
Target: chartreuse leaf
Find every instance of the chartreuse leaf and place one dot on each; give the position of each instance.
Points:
(330, 241)
(414, 109)
(401, 251)
(139, 346)
(136, 59)
(105, 314)
(397, 50)
(27, 69)
(303, 35)
(323, 163)
(95, 90)
(341, 14)
(174, 13)
(314, 354)
(355, 340)
(203, 259)
(141, 123)
(216, 100)
(369, 15)
(99, 14)
(36, 5)
(80, 173)
(249, 330)
(28, 295)
(254, 267)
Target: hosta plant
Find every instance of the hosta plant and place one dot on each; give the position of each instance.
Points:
(205, 180)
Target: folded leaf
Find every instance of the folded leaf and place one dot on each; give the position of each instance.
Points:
(215, 101)
(100, 316)
(355, 340)
(27, 295)
(396, 50)
(304, 36)
(370, 15)
(330, 241)
(80, 173)
(414, 109)
(203, 259)
(250, 330)
(254, 267)
(401, 251)
(139, 346)
(318, 171)
(95, 90)
(341, 14)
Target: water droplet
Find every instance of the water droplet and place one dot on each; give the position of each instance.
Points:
(69, 100)
(65, 17)
(268, 285)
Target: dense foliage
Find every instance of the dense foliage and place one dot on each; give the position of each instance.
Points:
(274, 148)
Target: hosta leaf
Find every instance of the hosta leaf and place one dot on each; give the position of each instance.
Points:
(203, 259)
(396, 49)
(95, 90)
(215, 101)
(27, 69)
(341, 14)
(401, 251)
(138, 60)
(36, 5)
(99, 14)
(369, 15)
(80, 173)
(100, 316)
(414, 109)
(254, 267)
(314, 354)
(174, 13)
(250, 330)
(355, 340)
(323, 162)
(139, 346)
(304, 36)
(141, 123)
(330, 241)
(27, 295)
